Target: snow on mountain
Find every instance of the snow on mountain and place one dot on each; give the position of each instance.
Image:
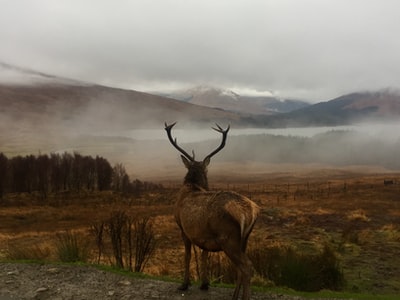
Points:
(201, 90)
(229, 100)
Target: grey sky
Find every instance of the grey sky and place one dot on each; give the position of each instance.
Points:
(310, 49)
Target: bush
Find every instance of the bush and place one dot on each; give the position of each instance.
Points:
(143, 242)
(70, 248)
(117, 229)
(97, 230)
(132, 240)
(301, 271)
(284, 266)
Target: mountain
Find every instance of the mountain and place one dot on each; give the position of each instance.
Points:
(378, 106)
(36, 102)
(32, 101)
(99, 107)
(231, 101)
(272, 112)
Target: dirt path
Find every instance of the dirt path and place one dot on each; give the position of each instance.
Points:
(56, 282)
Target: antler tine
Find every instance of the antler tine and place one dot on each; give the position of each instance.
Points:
(193, 154)
(220, 130)
(224, 136)
(174, 142)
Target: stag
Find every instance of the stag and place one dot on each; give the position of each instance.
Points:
(213, 220)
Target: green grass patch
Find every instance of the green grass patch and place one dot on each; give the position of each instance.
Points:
(71, 248)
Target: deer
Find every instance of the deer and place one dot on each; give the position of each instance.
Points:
(213, 220)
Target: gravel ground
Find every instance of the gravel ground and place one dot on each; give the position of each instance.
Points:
(56, 282)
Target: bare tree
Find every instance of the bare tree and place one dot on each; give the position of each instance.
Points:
(43, 170)
(213, 220)
(116, 228)
(3, 174)
(119, 173)
(104, 174)
(144, 242)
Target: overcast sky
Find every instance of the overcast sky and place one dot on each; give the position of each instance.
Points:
(310, 49)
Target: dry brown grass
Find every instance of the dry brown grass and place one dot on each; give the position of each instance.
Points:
(354, 212)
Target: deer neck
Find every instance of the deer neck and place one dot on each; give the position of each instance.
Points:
(195, 184)
(192, 187)
(188, 189)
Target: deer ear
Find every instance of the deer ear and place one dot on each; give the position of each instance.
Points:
(186, 162)
(206, 161)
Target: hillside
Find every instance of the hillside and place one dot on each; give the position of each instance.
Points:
(379, 106)
(35, 101)
(231, 101)
(97, 107)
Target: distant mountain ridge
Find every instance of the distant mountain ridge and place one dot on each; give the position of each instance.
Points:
(42, 102)
(231, 101)
(378, 106)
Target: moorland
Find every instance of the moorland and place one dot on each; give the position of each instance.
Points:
(345, 214)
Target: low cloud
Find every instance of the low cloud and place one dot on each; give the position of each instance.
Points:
(310, 49)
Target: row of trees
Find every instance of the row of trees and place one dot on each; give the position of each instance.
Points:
(64, 172)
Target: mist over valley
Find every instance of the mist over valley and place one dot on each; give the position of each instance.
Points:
(46, 114)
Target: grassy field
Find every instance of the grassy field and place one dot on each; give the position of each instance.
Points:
(353, 213)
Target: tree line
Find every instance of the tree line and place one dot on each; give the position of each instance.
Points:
(56, 172)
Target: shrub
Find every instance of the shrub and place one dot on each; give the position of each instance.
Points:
(117, 225)
(132, 240)
(143, 242)
(97, 230)
(301, 271)
(69, 248)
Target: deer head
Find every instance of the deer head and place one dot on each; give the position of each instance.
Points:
(197, 170)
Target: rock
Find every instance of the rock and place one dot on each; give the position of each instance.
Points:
(10, 273)
(52, 270)
(124, 282)
(41, 290)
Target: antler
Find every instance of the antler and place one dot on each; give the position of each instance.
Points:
(174, 142)
(224, 136)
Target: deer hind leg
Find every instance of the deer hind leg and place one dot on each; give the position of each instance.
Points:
(244, 268)
(245, 279)
(247, 273)
(239, 277)
(188, 248)
(203, 270)
(238, 284)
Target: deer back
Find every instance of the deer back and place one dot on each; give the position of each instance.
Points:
(207, 217)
